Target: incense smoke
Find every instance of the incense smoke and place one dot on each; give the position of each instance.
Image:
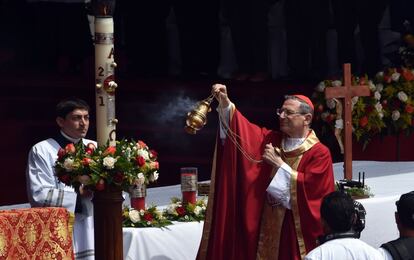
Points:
(175, 110)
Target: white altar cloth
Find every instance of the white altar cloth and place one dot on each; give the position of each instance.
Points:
(387, 180)
(176, 242)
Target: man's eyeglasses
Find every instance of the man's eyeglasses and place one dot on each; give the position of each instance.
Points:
(286, 112)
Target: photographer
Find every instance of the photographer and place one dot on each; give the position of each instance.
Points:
(343, 219)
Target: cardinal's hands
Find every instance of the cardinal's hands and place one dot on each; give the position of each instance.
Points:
(271, 156)
(220, 93)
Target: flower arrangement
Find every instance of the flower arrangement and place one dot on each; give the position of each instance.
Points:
(367, 112)
(357, 192)
(150, 217)
(397, 99)
(176, 211)
(126, 164)
(390, 105)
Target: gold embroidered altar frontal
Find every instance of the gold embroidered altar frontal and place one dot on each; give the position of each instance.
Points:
(36, 233)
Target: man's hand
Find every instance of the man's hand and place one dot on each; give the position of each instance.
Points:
(220, 93)
(271, 157)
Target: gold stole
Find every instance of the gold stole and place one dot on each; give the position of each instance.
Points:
(272, 217)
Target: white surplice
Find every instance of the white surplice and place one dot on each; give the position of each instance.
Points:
(44, 190)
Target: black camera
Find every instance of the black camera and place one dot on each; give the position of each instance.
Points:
(359, 222)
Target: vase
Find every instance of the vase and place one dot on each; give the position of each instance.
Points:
(137, 194)
(189, 185)
(108, 223)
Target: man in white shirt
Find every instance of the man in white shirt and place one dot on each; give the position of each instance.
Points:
(43, 187)
(342, 226)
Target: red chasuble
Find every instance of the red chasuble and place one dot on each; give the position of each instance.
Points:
(240, 224)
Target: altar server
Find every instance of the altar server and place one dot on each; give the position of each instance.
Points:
(43, 187)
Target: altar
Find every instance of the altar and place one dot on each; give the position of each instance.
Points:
(387, 181)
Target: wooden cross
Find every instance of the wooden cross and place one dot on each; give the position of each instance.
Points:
(347, 92)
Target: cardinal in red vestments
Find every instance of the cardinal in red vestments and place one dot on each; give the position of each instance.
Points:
(266, 186)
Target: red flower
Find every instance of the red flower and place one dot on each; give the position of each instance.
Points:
(86, 161)
(154, 165)
(65, 179)
(141, 144)
(408, 75)
(140, 161)
(363, 121)
(91, 146)
(100, 185)
(61, 153)
(180, 211)
(70, 148)
(110, 150)
(118, 177)
(148, 216)
(89, 151)
(409, 109)
(153, 154)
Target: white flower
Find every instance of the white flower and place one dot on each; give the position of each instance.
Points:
(395, 115)
(141, 212)
(395, 76)
(402, 96)
(148, 223)
(68, 164)
(154, 176)
(354, 100)
(371, 85)
(144, 154)
(186, 217)
(336, 83)
(380, 74)
(109, 162)
(378, 107)
(330, 103)
(321, 87)
(377, 95)
(134, 216)
(380, 114)
(140, 179)
(197, 210)
(171, 208)
(380, 87)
